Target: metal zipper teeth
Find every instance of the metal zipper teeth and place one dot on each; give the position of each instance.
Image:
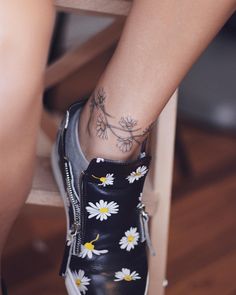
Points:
(74, 230)
(79, 237)
(70, 191)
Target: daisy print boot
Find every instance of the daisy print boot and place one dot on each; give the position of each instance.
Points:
(107, 226)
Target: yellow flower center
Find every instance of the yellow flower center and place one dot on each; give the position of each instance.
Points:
(128, 278)
(89, 246)
(130, 239)
(102, 179)
(138, 174)
(103, 210)
(78, 282)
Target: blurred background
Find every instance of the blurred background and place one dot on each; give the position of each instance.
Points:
(202, 241)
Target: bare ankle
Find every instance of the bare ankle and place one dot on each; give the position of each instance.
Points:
(94, 147)
(102, 135)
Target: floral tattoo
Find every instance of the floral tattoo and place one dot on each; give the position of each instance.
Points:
(126, 131)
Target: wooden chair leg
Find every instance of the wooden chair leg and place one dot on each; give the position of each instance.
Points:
(157, 193)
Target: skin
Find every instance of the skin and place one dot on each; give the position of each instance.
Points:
(22, 64)
(126, 133)
(160, 42)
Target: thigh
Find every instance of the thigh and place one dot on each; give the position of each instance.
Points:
(25, 31)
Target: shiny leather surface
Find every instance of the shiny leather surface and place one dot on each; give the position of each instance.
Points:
(101, 269)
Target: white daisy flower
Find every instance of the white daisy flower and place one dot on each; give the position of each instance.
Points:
(81, 280)
(105, 180)
(98, 160)
(126, 275)
(88, 249)
(135, 175)
(130, 239)
(102, 209)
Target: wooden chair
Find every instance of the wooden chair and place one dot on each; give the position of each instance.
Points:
(157, 190)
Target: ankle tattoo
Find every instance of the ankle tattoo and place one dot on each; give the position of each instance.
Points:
(126, 131)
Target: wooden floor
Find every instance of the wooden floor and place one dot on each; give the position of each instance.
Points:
(202, 246)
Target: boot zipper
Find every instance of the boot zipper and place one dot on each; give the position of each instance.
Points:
(79, 238)
(67, 252)
(72, 195)
(144, 220)
(73, 240)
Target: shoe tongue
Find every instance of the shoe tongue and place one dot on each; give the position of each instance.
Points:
(111, 174)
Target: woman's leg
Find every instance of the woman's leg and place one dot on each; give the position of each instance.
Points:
(25, 30)
(160, 42)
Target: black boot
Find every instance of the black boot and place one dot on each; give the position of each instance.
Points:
(105, 251)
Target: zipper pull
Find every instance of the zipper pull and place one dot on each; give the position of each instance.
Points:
(68, 247)
(145, 230)
(72, 233)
